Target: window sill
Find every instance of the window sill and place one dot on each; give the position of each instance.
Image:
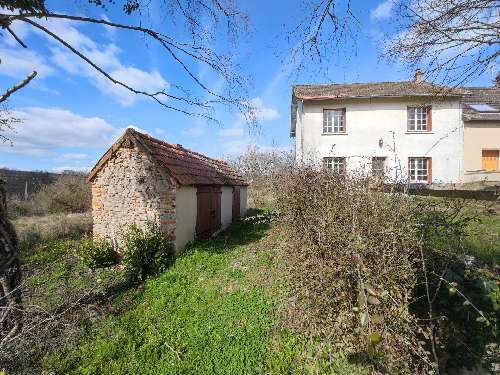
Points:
(422, 132)
(334, 133)
(482, 171)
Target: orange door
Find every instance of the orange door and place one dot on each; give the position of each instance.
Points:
(490, 160)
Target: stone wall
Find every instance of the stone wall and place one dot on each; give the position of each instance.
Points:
(132, 189)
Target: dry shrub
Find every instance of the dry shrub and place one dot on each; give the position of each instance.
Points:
(69, 193)
(262, 168)
(38, 229)
(354, 258)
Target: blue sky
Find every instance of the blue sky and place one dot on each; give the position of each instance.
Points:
(70, 115)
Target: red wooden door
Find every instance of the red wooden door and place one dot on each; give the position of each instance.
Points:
(208, 218)
(236, 203)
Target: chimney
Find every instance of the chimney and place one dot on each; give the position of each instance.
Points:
(418, 76)
(497, 80)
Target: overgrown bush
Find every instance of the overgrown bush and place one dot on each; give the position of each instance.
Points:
(262, 168)
(146, 252)
(96, 253)
(368, 271)
(68, 194)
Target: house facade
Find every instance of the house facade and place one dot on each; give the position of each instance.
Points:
(402, 131)
(142, 180)
(481, 117)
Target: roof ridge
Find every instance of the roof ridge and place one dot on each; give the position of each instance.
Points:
(369, 83)
(177, 146)
(187, 167)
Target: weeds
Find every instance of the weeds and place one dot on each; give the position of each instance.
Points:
(146, 252)
(96, 253)
(367, 270)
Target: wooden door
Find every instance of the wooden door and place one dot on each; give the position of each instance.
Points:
(236, 203)
(208, 217)
(490, 160)
(215, 211)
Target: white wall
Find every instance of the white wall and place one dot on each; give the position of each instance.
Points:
(226, 206)
(186, 209)
(243, 200)
(368, 121)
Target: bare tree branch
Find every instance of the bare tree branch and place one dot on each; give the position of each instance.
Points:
(184, 54)
(19, 86)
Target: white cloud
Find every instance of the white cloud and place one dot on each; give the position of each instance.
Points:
(18, 63)
(382, 11)
(43, 129)
(76, 156)
(21, 29)
(138, 79)
(263, 113)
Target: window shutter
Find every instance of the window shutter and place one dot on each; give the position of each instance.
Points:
(429, 118)
(429, 170)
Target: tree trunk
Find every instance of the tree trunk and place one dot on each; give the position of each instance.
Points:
(11, 309)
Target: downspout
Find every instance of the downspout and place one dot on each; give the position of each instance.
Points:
(461, 172)
(300, 108)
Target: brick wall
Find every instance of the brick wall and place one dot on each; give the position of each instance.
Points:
(132, 189)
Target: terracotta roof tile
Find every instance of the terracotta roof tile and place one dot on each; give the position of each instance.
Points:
(186, 166)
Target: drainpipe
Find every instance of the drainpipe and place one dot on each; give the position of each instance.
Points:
(300, 108)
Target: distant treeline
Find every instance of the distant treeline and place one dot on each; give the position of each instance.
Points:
(25, 183)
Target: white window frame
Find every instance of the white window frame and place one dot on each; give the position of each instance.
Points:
(379, 173)
(334, 121)
(335, 164)
(418, 169)
(417, 119)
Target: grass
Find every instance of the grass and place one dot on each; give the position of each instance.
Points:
(215, 311)
(484, 238)
(62, 298)
(33, 230)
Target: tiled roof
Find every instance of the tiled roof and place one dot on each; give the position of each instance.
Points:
(372, 90)
(481, 95)
(185, 166)
(368, 90)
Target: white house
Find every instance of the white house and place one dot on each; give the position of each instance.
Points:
(410, 130)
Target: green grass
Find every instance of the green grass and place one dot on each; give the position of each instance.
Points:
(213, 312)
(484, 238)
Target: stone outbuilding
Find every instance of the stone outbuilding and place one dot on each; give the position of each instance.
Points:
(141, 179)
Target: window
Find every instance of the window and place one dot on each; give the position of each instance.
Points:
(490, 160)
(378, 167)
(333, 121)
(334, 164)
(419, 119)
(420, 169)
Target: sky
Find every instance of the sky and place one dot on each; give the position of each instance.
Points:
(70, 115)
